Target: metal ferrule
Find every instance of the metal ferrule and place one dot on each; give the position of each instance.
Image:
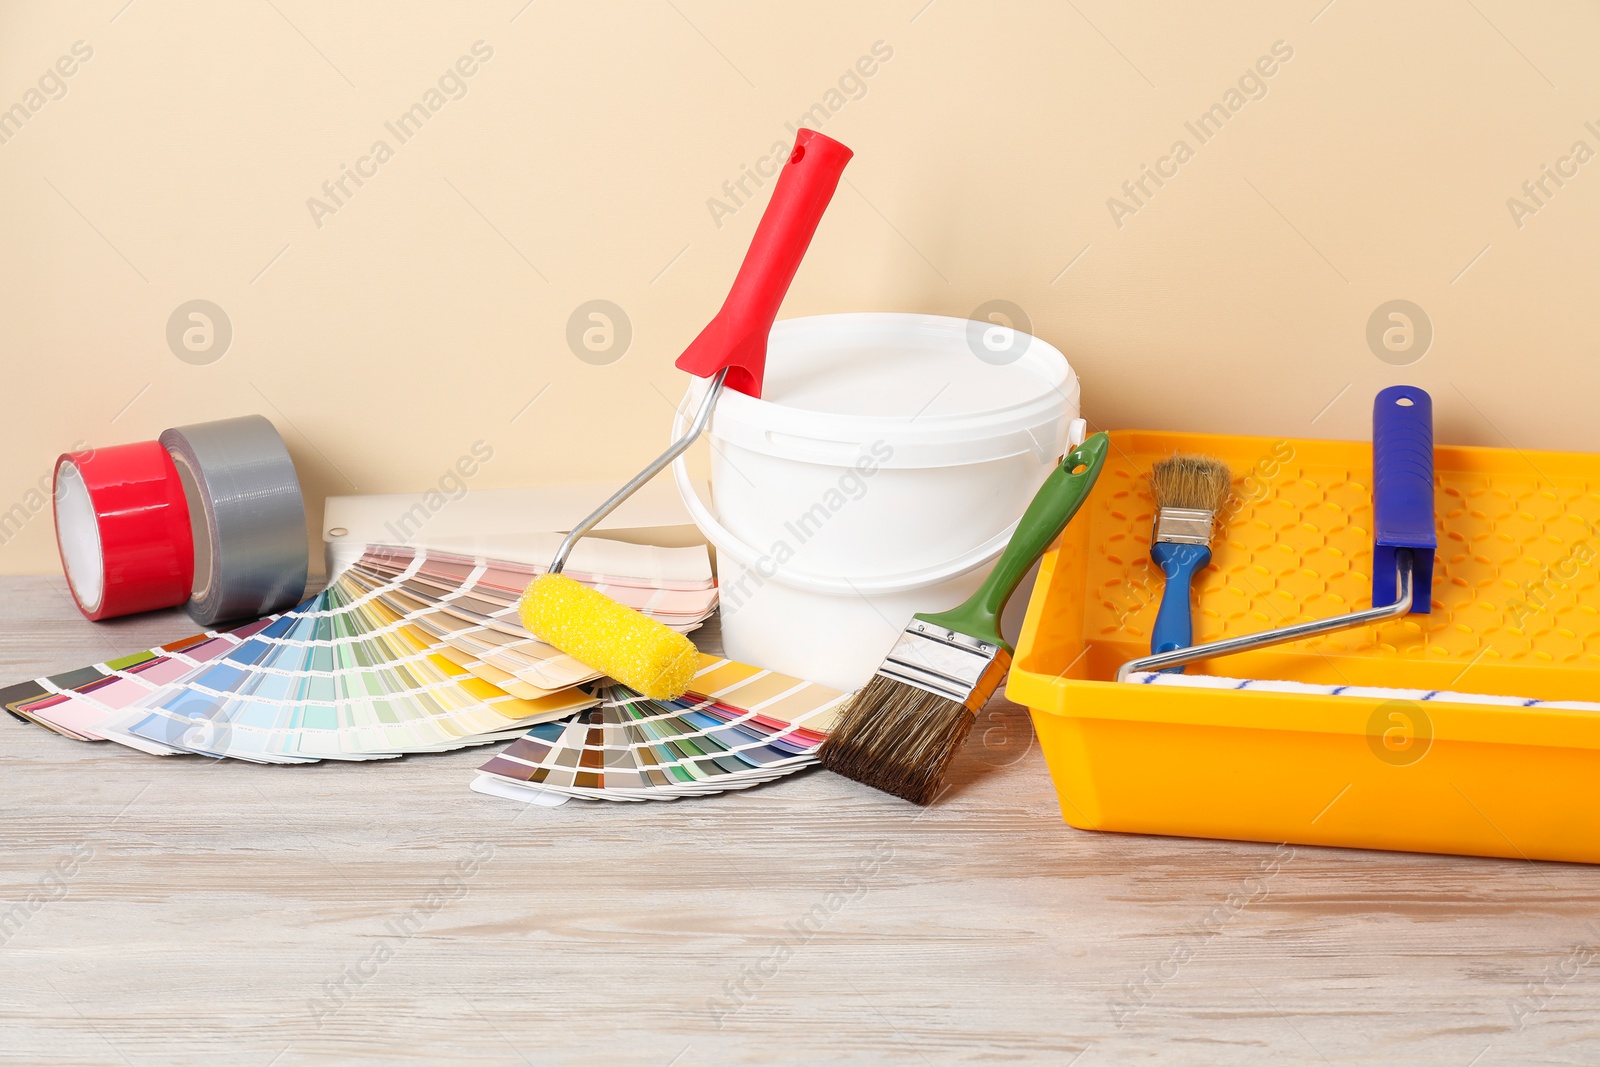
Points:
(948, 664)
(1183, 526)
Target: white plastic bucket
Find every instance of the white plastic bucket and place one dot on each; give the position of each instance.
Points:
(879, 475)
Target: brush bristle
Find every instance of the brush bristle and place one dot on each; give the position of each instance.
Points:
(897, 738)
(1190, 481)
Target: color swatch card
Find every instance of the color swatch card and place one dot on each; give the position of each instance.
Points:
(73, 702)
(405, 651)
(738, 726)
(339, 677)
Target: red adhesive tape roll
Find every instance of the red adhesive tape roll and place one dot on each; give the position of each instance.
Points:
(122, 526)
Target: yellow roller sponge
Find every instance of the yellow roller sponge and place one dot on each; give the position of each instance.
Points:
(592, 628)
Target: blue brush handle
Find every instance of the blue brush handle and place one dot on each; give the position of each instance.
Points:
(1174, 626)
(1402, 493)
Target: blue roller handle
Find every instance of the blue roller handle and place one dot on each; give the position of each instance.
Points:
(1402, 493)
(1174, 626)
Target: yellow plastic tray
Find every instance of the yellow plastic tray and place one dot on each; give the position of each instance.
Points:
(1515, 613)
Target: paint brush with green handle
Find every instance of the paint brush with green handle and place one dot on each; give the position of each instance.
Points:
(901, 731)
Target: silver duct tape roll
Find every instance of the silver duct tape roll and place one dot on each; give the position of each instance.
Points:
(248, 517)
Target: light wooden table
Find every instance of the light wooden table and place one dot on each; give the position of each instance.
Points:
(224, 913)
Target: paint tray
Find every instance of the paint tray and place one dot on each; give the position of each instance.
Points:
(1516, 613)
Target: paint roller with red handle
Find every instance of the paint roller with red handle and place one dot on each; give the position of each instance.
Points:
(592, 628)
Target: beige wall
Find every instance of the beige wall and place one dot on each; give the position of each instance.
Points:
(387, 337)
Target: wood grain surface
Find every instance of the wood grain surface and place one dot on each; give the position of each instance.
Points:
(187, 911)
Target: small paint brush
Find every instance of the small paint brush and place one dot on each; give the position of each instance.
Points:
(1189, 491)
(901, 731)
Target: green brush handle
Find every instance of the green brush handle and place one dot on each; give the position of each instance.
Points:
(1052, 507)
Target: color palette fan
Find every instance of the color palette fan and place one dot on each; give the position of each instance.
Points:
(406, 651)
(738, 726)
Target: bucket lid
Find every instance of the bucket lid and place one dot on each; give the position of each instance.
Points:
(939, 391)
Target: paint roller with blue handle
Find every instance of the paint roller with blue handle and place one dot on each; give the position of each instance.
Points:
(1403, 537)
(1402, 494)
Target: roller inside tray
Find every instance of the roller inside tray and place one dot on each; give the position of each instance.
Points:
(1515, 610)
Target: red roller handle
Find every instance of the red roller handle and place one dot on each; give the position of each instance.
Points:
(737, 337)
